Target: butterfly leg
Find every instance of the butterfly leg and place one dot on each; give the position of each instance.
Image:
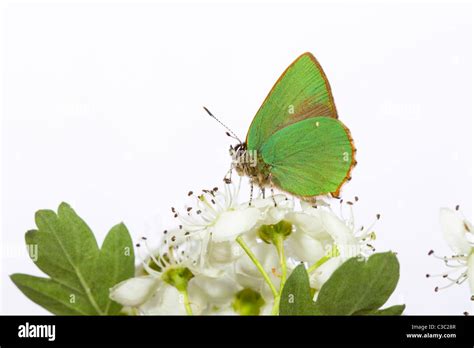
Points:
(273, 196)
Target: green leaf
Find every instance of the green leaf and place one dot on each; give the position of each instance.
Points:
(296, 295)
(80, 273)
(53, 296)
(116, 263)
(359, 285)
(393, 310)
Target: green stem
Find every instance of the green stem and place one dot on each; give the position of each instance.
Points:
(187, 304)
(257, 263)
(318, 263)
(281, 255)
(324, 259)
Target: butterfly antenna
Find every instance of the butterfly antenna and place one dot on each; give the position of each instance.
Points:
(229, 131)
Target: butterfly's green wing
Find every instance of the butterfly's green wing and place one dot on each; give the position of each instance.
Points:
(301, 92)
(311, 157)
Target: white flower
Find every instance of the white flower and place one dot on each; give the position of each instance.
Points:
(135, 291)
(219, 290)
(163, 284)
(248, 276)
(323, 239)
(167, 300)
(228, 257)
(458, 233)
(218, 215)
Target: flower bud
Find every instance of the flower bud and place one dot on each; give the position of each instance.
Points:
(248, 302)
(178, 277)
(275, 233)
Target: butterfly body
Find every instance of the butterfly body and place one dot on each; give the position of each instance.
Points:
(296, 142)
(251, 164)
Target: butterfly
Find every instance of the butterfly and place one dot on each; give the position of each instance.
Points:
(296, 142)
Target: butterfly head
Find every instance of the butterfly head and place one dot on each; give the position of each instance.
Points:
(243, 160)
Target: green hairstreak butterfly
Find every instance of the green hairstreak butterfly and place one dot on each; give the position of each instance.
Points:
(295, 141)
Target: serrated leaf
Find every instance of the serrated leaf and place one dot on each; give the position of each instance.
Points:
(359, 285)
(115, 263)
(393, 310)
(81, 274)
(53, 296)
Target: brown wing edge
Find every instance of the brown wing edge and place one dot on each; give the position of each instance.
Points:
(326, 82)
(348, 177)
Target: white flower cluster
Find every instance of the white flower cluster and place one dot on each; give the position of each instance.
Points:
(228, 257)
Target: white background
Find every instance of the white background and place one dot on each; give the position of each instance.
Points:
(102, 109)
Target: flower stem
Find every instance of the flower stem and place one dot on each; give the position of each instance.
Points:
(257, 263)
(318, 263)
(187, 304)
(281, 255)
(322, 260)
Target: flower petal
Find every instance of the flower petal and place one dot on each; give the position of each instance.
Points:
(263, 203)
(342, 235)
(267, 256)
(310, 224)
(224, 252)
(231, 224)
(219, 290)
(454, 231)
(470, 272)
(134, 291)
(305, 248)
